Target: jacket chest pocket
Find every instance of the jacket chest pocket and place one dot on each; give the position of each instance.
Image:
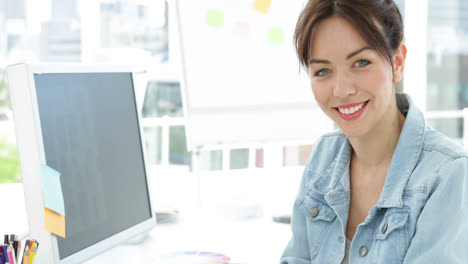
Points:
(319, 218)
(392, 235)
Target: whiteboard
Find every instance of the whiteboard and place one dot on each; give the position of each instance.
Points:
(240, 84)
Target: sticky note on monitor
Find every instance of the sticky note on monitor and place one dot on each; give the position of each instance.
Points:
(52, 189)
(54, 222)
(262, 5)
(215, 18)
(275, 35)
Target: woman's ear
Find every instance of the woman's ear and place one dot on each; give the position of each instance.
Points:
(399, 63)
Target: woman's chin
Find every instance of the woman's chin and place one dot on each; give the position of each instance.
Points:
(353, 132)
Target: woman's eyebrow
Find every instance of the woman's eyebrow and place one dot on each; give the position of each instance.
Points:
(319, 61)
(352, 54)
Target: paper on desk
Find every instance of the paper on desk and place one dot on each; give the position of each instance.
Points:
(275, 35)
(215, 18)
(262, 5)
(52, 189)
(54, 222)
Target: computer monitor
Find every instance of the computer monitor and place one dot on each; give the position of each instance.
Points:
(82, 120)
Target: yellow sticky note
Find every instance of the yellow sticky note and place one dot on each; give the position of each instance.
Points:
(275, 35)
(262, 5)
(215, 18)
(54, 222)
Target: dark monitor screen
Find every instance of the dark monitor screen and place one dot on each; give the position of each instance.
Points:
(91, 136)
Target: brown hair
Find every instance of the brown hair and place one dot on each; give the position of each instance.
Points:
(378, 21)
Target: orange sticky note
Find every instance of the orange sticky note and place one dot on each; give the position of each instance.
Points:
(262, 5)
(54, 222)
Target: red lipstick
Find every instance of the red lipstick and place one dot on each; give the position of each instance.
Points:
(353, 116)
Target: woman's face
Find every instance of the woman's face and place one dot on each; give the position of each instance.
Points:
(351, 82)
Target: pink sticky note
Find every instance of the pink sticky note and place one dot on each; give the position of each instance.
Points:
(241, 30)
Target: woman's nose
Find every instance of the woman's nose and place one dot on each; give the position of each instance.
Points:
(344, 86)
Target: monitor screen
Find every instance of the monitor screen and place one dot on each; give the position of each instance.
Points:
(90, 133)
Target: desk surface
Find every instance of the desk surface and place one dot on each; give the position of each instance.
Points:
(253, 240)
(249, 241)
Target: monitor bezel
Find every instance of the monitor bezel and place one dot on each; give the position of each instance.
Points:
(114, 240)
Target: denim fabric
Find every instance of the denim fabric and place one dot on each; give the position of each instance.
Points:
(421, 215)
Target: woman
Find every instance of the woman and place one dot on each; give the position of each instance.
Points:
(386, 188)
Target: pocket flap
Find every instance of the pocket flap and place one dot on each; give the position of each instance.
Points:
(394, 218)
(315, 209)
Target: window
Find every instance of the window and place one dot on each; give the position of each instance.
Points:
(444, 93)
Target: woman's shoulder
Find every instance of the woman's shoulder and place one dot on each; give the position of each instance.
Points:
(439, 144)
(443, 160)
(326, 151)
(329, 143)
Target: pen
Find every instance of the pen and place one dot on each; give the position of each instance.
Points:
(31, 244)
(15, 247)
(18, 251)
(28, 242)
(5, 253)
(26, 256)
(26, 250)
(32, 253)
(5, 240)
(11, 254)
(2, 257)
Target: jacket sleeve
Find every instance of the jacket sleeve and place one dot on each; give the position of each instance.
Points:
(297, 250)
(441, 234)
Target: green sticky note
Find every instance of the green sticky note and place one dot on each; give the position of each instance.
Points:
(275, 35)
(215, 18)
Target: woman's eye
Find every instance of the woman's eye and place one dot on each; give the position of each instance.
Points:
(362, 63)
(322, 72)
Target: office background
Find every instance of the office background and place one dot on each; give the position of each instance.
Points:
(143, 32)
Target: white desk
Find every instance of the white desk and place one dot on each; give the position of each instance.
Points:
(257, 240)
(253, 241)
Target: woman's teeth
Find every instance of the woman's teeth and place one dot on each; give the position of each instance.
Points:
(351, 110)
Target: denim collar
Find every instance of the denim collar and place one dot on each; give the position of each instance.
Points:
(403, 162)
(406, 155)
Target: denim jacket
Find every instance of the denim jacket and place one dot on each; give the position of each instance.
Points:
(421, 215)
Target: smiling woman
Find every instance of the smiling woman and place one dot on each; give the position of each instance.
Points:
(372, 190)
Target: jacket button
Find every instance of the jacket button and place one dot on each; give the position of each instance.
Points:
(362, 251)
(384, 228)
(314, 212)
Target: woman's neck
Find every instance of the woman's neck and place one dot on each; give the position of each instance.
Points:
(375, 149)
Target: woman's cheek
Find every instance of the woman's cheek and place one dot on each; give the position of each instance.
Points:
(321, 94)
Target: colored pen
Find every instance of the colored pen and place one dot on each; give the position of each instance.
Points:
(15, 247)
(18, 251)
(26, 256)
(2, 257)
(5, 240)
(11, 255)
(5, 253)
(26, 249)
(31, 244)
(27, 243)
(32, 253)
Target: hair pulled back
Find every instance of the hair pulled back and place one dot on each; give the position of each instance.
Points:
(379, 23)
